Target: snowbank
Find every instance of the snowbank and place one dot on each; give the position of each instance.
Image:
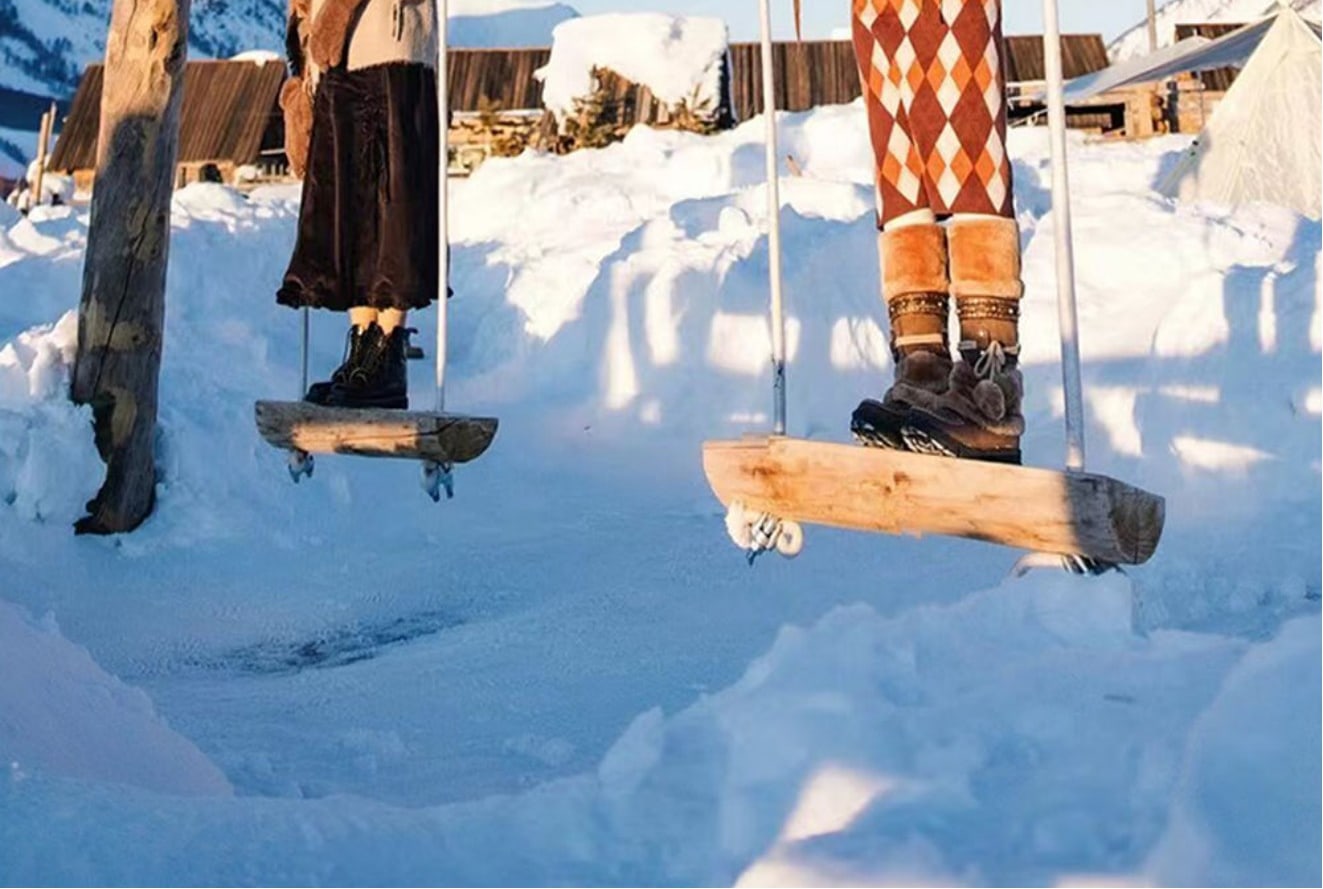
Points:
(48, 464)
(258, 57)
(62, 715)
(505, 23)
(678, 58)
(1134, 42)
(1228, 828)
(1026, 735)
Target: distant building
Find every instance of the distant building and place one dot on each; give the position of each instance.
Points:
(230, 120)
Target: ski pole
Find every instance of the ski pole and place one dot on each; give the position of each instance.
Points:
(442, 198)
(1066, 309)
(773, 226)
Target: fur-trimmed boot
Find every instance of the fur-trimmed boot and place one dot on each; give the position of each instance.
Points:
(914, 285)
(979, 415)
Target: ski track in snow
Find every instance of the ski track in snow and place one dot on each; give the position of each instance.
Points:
(566, 674)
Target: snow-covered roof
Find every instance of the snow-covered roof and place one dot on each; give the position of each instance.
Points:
(678, 58)
(1190, 55)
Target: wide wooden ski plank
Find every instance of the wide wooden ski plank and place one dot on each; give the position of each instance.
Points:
(895, 492)
(408, 435)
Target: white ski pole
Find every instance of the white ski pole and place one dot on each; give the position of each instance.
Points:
(443, 197)
(1066, 310)
(774, 226)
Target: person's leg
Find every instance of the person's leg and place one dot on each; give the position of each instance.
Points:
(390, 320)
(362, 317)
(980, 414)
(398, 236)
(911, 246)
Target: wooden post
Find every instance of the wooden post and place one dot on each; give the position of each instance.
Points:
(1152, 28)
(43, 138)
(121, 315)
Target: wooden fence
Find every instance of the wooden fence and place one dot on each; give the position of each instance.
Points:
(809, 74)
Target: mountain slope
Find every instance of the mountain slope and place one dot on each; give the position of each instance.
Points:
(1134, 42)
(45, 44)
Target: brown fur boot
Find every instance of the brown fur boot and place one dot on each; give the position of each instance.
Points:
(914, 285)
(979, 415)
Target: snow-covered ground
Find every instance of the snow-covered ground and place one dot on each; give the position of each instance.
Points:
(567, 675)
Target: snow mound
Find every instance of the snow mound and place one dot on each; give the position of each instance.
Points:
(48, 464)
(62, 715)
(1229, 828)
(932, 748)
(1134, 42)
(487, 24)
(678, 58)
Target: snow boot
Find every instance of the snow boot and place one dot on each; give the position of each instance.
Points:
(381, 378)
(914, 286)
(979, 415)
(356, 343)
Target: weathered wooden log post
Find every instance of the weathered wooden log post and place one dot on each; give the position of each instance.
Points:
(122, 312)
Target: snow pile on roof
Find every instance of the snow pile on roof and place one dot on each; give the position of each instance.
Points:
(258, 56)
(1134, 42)
(678, 58)
(62, 715)
(490, 24)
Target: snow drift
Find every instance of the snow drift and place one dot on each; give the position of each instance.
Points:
(61, 714)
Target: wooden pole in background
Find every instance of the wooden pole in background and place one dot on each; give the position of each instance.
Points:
(122, 313)
(43, 141)
(1152, 28)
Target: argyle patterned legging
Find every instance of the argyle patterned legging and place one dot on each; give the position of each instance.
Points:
(933, 84)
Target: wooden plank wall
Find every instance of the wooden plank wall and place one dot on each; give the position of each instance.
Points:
(808, 74)
(1218, 81)
(499, 79)
(228, 107)
(1080, 54)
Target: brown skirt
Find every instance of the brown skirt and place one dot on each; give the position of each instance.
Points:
(367, 232)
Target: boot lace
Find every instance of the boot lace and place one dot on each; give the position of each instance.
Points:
(371, 361)
(994, 359)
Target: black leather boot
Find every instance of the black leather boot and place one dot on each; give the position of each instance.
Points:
(356, 343)
(381, 377)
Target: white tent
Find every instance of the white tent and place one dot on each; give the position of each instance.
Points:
(1265, 140)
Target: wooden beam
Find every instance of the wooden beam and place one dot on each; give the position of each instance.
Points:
(406, 435)
(43, 142)
(894, 492)
(121, 316)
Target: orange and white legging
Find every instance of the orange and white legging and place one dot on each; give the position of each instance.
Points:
(934, 88)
